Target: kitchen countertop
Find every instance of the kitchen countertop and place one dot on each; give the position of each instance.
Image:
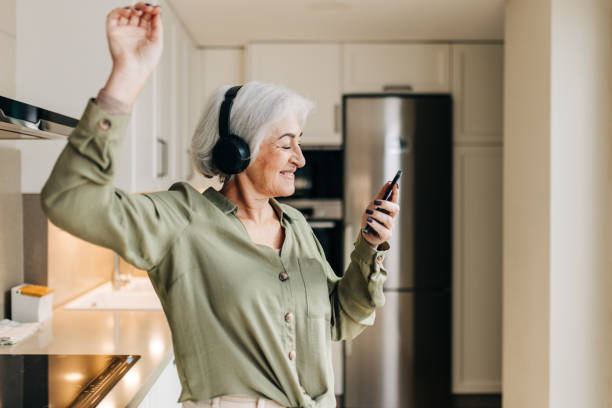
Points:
(145, 333)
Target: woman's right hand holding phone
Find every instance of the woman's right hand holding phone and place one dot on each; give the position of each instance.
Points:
(380, 216)
(135, 40)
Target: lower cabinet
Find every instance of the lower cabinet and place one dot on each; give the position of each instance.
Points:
(477, 269)
(166, 390)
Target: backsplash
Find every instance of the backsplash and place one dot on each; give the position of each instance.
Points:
(75, 266)
(11, 228)
(58, 259)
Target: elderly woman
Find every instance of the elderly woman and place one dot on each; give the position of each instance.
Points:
(250, 299)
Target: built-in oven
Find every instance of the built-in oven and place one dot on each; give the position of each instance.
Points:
(325, 219)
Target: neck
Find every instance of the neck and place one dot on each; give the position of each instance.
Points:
(252, 206)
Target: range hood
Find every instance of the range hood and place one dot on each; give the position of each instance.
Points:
(19, 120)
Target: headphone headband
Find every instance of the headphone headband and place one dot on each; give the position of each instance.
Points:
(226, 107)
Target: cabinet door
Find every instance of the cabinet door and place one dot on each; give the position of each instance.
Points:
(165, 105)
(478, 92)
(404, 67)
(312, 70)
(139, 147)
(183, 130)
(477, 270)
(7, 64)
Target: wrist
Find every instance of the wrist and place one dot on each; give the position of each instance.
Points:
(124, 86)
(363, 236)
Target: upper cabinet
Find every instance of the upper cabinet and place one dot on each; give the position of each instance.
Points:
(7, 48)
(478, 93)
(312, 70)
(156, 154)
(420, 68)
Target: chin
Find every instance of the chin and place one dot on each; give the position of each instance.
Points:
(285, 191)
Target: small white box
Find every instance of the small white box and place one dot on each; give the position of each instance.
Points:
(29, 308)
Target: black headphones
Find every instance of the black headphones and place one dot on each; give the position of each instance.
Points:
(231, 153)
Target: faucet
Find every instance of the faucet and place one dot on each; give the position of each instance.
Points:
(118, 279)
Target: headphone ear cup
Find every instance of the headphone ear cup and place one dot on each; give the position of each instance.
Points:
(231, 154)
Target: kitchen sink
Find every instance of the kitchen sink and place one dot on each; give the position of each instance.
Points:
(138, 294)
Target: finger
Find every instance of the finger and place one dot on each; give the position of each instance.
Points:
(380, 217)
(157, 30)
(387, 207)
(383, 233)
(115, 15)
(395, 194)
(143, 6)
(134, 20)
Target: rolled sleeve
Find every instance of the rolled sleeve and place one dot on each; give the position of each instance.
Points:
(360, 291)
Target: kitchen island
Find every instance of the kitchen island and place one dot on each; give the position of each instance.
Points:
(145, 333)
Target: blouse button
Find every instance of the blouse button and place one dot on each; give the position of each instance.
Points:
(104, 124)
(283, 276)
(292, 355)
(289, 317)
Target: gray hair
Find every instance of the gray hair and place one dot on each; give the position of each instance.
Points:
(256, 109)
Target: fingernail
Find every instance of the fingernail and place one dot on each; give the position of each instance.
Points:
(377, 202)
(370, 219)
(368, 211)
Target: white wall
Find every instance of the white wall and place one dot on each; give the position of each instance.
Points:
(557, 203)
(7, 48)
(580, 239)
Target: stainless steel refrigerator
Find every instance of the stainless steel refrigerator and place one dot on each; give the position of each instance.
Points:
(404, 360)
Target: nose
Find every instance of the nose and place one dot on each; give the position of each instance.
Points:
(298, 157)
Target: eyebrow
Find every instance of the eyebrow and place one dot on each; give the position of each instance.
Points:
(290, 135)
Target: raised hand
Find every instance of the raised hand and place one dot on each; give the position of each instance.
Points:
(135, 40)
(380, 216)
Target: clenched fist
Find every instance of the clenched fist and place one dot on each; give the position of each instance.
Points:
(135, 39)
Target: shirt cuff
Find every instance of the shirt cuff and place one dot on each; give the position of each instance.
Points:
(112, 105)
(97, 124)
(365, 253)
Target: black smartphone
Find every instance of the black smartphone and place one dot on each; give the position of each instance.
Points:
(386, 197)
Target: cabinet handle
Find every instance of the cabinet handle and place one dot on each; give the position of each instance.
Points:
(398, 88)
(336, 118)
(164, 158)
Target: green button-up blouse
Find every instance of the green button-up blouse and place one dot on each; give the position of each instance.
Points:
(226, 298)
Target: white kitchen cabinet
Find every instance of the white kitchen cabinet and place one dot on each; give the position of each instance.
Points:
(477, 85)
(182, 168)
(7, 65)
(159, 130)
(422, 68)
(312, 70)
(8, 45)
(477, 270)
(77, 64)
(215, 67)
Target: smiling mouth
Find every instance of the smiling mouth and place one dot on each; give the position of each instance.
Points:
(288, 174)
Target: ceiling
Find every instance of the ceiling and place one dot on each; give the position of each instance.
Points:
(238, 22)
